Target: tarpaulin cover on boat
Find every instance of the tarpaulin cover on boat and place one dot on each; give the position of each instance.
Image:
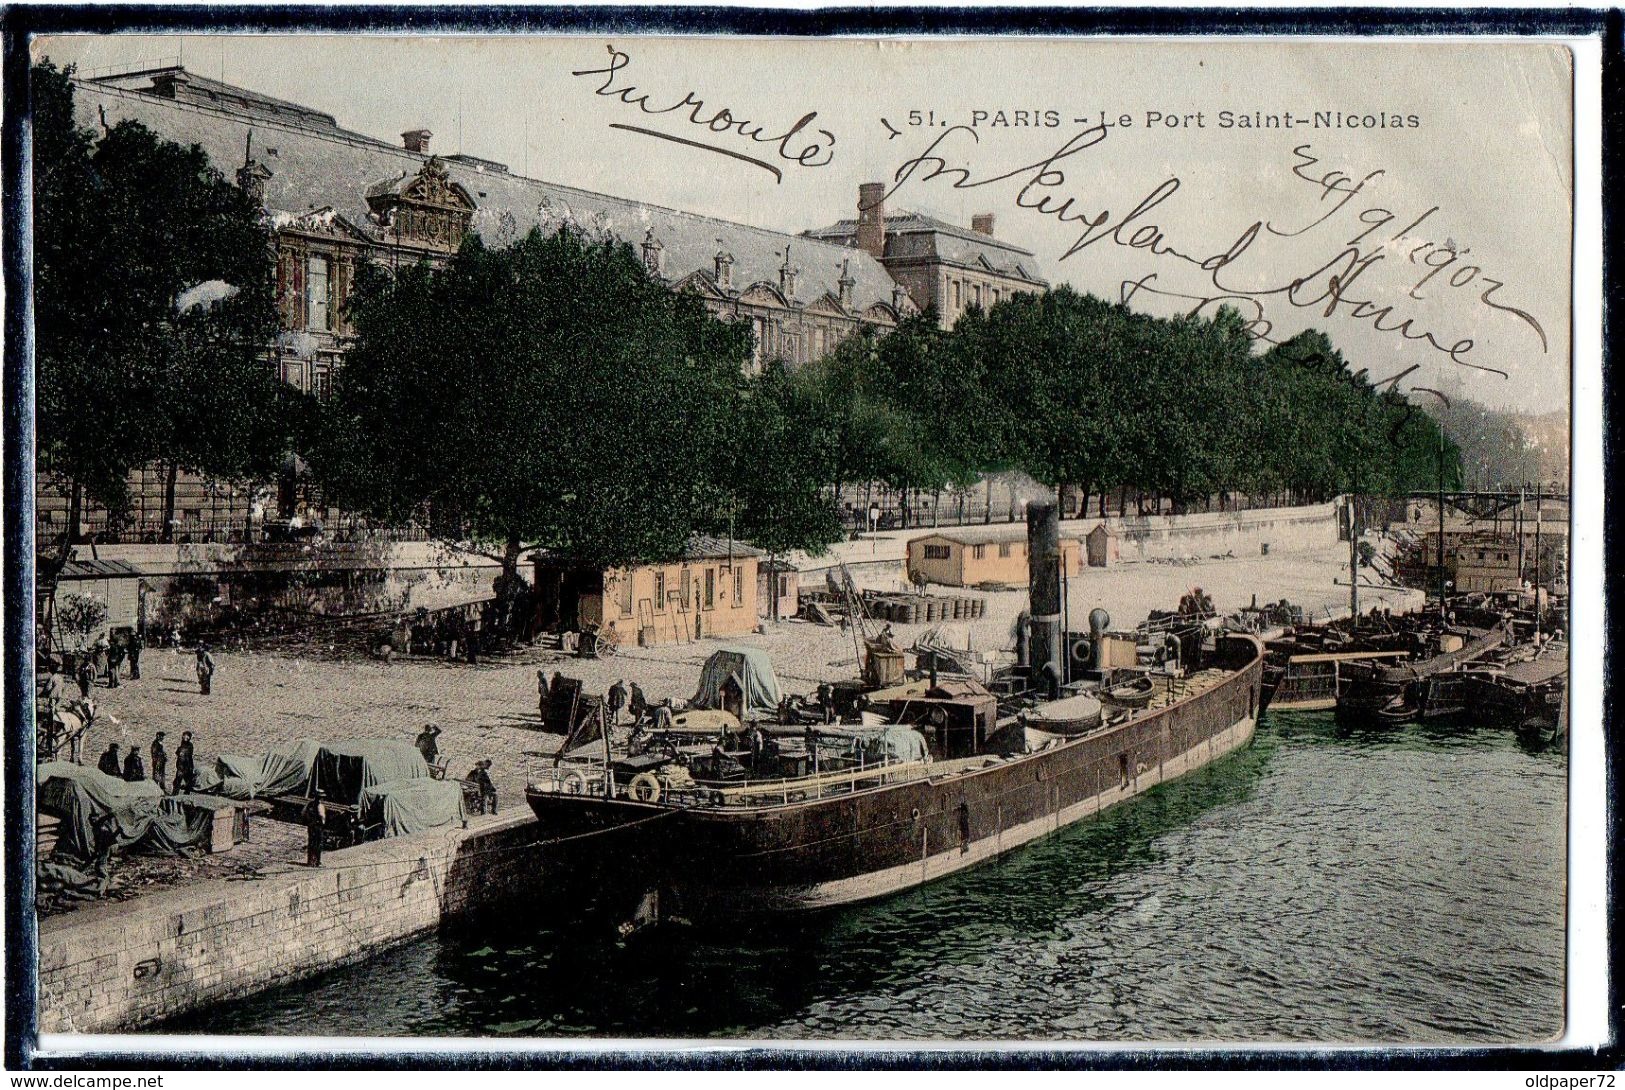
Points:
(753, 673)
(893, 741)
(404, 807)
(345, 769)
(78, 797)
(284, 770)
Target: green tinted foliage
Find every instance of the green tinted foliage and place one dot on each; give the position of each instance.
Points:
(549, 392)
(125, 224)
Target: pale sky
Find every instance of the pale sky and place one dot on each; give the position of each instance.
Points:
(1467, 174)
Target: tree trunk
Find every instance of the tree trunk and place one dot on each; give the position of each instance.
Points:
(171, 474)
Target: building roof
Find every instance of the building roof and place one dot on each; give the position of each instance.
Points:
(977, 535)
(949, 242)
(100, 569)
(315, 165)
(700, 547)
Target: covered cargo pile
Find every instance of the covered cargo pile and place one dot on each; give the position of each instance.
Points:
(750, 669)
(133, 814)
(404, 807)
(285, 770)
(343, 770)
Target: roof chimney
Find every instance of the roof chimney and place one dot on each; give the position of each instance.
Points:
(982, 224)
(417, 140)
(872, 218)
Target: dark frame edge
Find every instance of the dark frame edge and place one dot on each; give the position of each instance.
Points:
(21, 23)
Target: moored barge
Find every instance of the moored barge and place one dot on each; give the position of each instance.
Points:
(701, 847)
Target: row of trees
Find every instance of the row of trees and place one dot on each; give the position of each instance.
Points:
(1077, 391)
(550, 392)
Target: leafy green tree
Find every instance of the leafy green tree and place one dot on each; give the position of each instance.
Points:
(547, 392)
(776, 474)
(153, 304)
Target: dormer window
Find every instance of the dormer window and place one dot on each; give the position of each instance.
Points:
(725, 269)
(846, 282)
(428, 208)
(653, 254)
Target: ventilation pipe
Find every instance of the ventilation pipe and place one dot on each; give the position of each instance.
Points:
(1099, 621)
(1044, 588)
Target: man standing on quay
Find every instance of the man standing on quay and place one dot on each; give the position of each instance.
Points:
(160, 760)
(205, 668)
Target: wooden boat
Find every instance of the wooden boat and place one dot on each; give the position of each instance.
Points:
(848, 834)
(1425, 687)
(1311, 682)
(1521, 691)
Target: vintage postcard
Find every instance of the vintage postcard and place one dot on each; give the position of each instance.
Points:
(602, 536)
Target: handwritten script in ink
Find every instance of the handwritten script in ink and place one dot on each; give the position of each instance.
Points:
(800, 144)
(1353, 240)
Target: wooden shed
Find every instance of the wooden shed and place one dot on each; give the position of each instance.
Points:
(115, 583)
(710, 591)
(778, 590)
(971, 556)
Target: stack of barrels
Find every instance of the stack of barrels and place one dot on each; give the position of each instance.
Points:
(925, 609)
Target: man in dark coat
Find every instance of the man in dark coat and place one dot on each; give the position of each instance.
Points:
(616, 700)
(109, 762)
(185, 769)
(205, 668)
(639, 704)
(315, 818)
(427, 745)
(134, 650)
(85, 675)
(134, 771)
(480, 777)
(160, 760)
(115, 662)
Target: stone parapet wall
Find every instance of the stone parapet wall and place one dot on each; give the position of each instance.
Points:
(115, 967)
(1244, 533)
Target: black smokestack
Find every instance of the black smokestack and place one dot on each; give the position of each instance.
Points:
(1044, 587)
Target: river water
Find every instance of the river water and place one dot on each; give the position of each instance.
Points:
(1325, 884)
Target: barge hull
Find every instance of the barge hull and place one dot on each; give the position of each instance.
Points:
(822, 852)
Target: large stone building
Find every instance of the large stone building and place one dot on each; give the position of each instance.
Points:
(943, 266)
(338, 198)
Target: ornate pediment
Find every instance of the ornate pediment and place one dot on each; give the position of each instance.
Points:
(321, 222)
(700, 283)
(426, 208)
(827, 304)
(764, 294)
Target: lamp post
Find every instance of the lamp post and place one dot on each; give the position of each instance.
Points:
(1439, 555)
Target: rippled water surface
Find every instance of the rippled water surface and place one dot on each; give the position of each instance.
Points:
(1324, 884)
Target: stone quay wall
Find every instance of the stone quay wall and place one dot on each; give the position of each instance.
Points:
(114, 967)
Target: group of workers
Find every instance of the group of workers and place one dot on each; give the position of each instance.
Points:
(428, 744)
(132, 770)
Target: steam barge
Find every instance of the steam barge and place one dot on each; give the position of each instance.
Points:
(977, 785)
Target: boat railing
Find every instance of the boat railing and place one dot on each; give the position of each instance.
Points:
(820, 784)
(591, 779)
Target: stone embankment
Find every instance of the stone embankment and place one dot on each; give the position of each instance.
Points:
(121, 966)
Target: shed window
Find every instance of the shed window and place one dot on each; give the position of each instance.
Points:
(710, 588)
(978, 551)
(1004, 549)
(739, 585)
(660, 591)
(936, 552)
